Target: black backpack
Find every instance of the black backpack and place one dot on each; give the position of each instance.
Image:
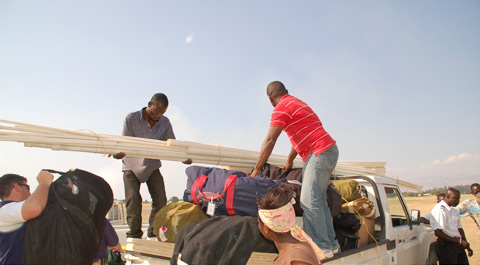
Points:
(69, 229)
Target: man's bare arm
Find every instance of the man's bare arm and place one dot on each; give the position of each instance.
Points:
(291, 156)
(462, 243)
(35, 204)
(267, 148)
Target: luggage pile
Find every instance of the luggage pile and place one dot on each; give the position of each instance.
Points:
(229, 198)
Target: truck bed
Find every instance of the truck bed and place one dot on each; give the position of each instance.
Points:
(155, 252)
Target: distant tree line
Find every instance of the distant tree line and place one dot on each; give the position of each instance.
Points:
(464, 189)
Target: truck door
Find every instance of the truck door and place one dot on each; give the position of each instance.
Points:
(403, 240)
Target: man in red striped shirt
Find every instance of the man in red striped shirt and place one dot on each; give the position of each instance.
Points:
(319, 152)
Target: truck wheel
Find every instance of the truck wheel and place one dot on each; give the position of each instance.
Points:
(432, 256)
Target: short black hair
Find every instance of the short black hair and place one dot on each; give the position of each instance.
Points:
(276, 89)
(275, 197)
(160, 99)
(474, 185)
(453, 190)
(6, 184)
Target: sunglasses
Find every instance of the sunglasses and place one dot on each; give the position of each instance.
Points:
(25, 185)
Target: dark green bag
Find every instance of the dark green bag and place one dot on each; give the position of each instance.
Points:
(173, 217)
(348, 188)
(115, 258)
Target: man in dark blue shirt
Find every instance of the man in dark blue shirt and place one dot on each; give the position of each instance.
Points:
(17, 207)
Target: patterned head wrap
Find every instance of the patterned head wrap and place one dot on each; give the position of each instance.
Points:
(282, 220)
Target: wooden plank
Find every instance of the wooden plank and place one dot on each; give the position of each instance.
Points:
(258, 258)
(165, 250)
(150, 247)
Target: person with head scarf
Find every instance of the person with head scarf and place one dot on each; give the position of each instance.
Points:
(276, 221)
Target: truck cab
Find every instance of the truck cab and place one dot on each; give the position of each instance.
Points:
(399, 237)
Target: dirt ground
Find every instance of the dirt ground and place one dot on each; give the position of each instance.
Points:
(425, 205)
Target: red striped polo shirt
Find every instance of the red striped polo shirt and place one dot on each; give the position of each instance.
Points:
(302, 126)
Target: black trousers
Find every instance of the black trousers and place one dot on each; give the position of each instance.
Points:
(450, 253)
(156, 187)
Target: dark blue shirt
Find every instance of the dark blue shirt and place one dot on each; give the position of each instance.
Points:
(11, 244)
(109, 239)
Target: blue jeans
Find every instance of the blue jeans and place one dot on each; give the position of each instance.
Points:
(317, 218)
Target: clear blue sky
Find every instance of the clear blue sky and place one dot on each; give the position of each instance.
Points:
(394, 81)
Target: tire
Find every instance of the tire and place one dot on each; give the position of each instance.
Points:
(432, 258)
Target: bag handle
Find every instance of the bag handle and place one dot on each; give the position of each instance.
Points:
(284, 174)
(200, 181)
(54, 171)
(168, 216)
(230, 193)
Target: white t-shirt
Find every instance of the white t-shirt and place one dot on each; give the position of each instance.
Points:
(446, 218)
(428, 216)
(11, 216)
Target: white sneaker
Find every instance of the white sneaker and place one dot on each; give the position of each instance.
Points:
(328, 253)
(337, 250)
(152, 238)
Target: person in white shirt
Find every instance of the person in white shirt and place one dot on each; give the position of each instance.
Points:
(445, 221)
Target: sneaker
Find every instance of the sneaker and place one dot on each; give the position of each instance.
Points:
(152, 238)
(328, 253)
(337, 250)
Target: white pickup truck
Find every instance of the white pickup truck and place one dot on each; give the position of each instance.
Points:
(399, 236)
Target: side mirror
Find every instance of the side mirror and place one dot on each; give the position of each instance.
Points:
(415, 217)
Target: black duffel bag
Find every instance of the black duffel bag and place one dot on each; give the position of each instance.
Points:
(334, 198)
(69, 229)
(220, 240)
